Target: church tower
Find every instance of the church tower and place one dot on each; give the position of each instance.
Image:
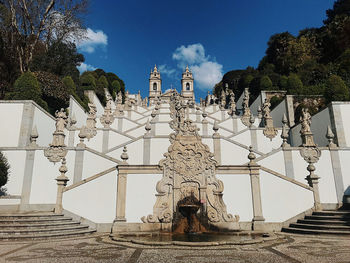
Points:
(155, 85)
(187, 84)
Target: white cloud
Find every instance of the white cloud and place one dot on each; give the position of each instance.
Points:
(85, 67)
(93, 39)
(207, 74)
(192, 54)
(206, 71)
(165, 69)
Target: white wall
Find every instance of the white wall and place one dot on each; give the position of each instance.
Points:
(237, 195)
(10, 117)
(140, 196)
(345, 113)
(344, 157)
(78, 111)
(281, 200)
(45, 125)
(16, 159)
(95, 200)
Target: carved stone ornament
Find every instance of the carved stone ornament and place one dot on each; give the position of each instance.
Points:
(107, 117)
(57, 149)
(188, 169)
(311, 154)
(305, 131)
(90, 128)
(269, 131)
(246, 110)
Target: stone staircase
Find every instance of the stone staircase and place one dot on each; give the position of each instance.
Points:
(326, 222)
(39, 225)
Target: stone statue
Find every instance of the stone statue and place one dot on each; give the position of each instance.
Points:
(246, 110)
(61, 120)
(269, 131)
(305, 120)
(266, 108)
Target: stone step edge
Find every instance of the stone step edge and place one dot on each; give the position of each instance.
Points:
(314, 231)
(36, 220)
(324, 222)
(39, 225)
(327, 217)
(30, 215)
(314, 226)
(53, 235)
(15, 231)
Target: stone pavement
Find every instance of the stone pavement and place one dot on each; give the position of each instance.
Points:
(98, 248)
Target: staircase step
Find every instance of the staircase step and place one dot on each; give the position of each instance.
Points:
(42, 230)
(38, 225)
(29, 216)
(49, 235)
(320, 227)
(331, 213)
(324, 222)
(314, 231)
(38, 220)
(337, 217)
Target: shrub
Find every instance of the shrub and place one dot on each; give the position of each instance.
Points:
(88, 81)
(27, 87)
(294, 84)
(265, 83)
(4, 171)
(69, 85)
(336, 89)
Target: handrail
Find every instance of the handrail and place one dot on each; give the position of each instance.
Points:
(89, 179)
(286, 178)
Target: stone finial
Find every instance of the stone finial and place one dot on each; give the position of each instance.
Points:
(124, 156)
(63, 168)
(204, 114)
(251, 156)
(251, 120)
(232, 111)
(148, 127)
(107, 117)
(82, 136)
(215, 127)
(259, 113)
(284, 134)
(34, 136)
(153, 114)
(72, 121)
(330, 137)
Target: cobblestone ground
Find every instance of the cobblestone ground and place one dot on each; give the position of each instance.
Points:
(98, 248)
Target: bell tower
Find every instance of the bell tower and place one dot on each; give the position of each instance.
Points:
(155, 85)
(187, 84)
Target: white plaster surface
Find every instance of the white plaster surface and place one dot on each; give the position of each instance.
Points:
(78, 111)
(94, 164)
(16, 159)
(274, 162)
(345, 113)
(140, 196)
(127, 124)
(95, 142)
(116, 139)
(243, 138)
(135, 152)
(159, 146)
(163, 129)
(11, 114)
(44, 186)
(233, 154)
(95, 200)
(237, 195)
(282, 200)
(266, 145)
(344, 157)
(45, 126)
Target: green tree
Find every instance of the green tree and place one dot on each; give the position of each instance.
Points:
(4, 172)
(265, 83)
(69, 84)
(294, 84)
(101, 85)
(88, 81)
(283, 82)
(27, 87)
(336, 89)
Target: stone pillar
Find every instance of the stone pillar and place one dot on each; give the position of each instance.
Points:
(78, 164)
(258, 219)
(204, 124)
(26, 124)
(120, 124)
(61, 184)
(147, 144)
(105, 139)
(216, 142)
(223, 114)
(71, 135)
(121, 198)
(27, 178)
(121, 191)
(313, 182)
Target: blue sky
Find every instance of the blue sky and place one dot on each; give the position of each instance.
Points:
(213, 37)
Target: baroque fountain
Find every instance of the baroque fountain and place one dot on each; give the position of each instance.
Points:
(189, 203)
